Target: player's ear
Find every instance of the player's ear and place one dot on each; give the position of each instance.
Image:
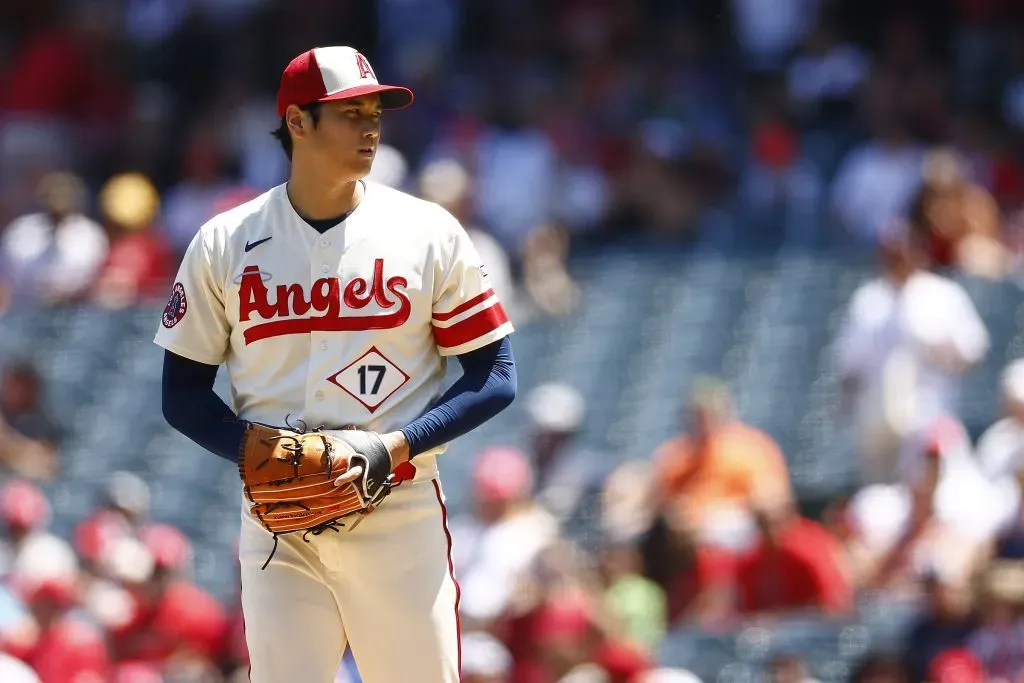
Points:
(296, 121)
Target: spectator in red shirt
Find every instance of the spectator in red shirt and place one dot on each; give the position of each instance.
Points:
(173, 616)
(622, 662)
(48, 75)
(564, 636)
(70, 72)
(957, 665)
(795, 566)
(68, 649)
(136, 672)
(120, 513)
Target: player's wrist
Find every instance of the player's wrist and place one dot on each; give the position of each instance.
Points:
(398, 446)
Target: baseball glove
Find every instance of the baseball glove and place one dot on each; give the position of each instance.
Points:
(289, 476)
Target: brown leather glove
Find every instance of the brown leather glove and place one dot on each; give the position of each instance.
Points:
(289, 477)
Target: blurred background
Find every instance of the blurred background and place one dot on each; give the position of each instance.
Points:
(764, 258)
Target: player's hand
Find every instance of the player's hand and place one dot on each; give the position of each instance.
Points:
(365, 443)
(350, 476)
(398, 447)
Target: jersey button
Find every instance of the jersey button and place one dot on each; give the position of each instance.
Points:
(325, 268)
(325, 243)
(323, 346)
(319, 395)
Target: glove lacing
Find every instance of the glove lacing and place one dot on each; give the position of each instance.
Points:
(333, 525)
(293, 454)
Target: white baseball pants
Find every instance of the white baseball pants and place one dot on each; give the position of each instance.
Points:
(386, 589)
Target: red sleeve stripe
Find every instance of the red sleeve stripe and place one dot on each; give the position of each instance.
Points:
(464, 306)
(473, 327)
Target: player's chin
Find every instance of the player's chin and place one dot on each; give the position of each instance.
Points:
(361, 163)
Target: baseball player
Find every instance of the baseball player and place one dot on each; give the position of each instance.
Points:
(335, 304)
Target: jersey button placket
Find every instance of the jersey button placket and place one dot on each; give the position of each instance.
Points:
(321, 343)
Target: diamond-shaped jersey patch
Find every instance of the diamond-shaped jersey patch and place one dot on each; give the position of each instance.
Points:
(371, 379)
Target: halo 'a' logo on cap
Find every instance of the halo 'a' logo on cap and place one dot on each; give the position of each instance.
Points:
(364, 67)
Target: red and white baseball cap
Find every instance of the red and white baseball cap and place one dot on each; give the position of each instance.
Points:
(324, 74)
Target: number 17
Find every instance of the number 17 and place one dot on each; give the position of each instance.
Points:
(379, 369)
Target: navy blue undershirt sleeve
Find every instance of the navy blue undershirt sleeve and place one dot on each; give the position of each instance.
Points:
(487, 386)
(192, 407)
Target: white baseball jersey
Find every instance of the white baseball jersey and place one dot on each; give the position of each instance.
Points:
(352, 326)
(890, 340)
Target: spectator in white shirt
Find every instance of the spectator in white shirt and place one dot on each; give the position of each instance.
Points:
(1001, 448)
(484, 659)
(52, 256)
(876, 181)
(33, 554)
(15, 671)
(496, 547)
(943, 513)
(668, 676)
(516, 166)
(907, 337)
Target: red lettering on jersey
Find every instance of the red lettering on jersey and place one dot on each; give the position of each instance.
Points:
(364, 67)
(252, 296)
(357, 296)
(291, 298)
(325, 297)
(354, 293)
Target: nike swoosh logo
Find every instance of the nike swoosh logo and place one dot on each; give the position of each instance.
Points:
(249, 246)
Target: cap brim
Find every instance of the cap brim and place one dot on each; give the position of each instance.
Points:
(391, 96)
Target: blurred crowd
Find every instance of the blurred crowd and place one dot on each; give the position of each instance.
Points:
(115, 602)
(707, 533)
(892, 128)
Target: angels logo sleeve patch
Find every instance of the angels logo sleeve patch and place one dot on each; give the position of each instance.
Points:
(176, 307)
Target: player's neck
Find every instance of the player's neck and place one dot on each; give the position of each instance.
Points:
(318, 199)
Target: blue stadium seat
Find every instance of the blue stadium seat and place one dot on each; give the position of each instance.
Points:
(704, 654)
(16, 332)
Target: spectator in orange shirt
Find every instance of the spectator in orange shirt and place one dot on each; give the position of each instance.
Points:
(796, 566)
(722, 467)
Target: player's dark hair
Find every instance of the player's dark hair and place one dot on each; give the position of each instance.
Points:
(282, 134)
